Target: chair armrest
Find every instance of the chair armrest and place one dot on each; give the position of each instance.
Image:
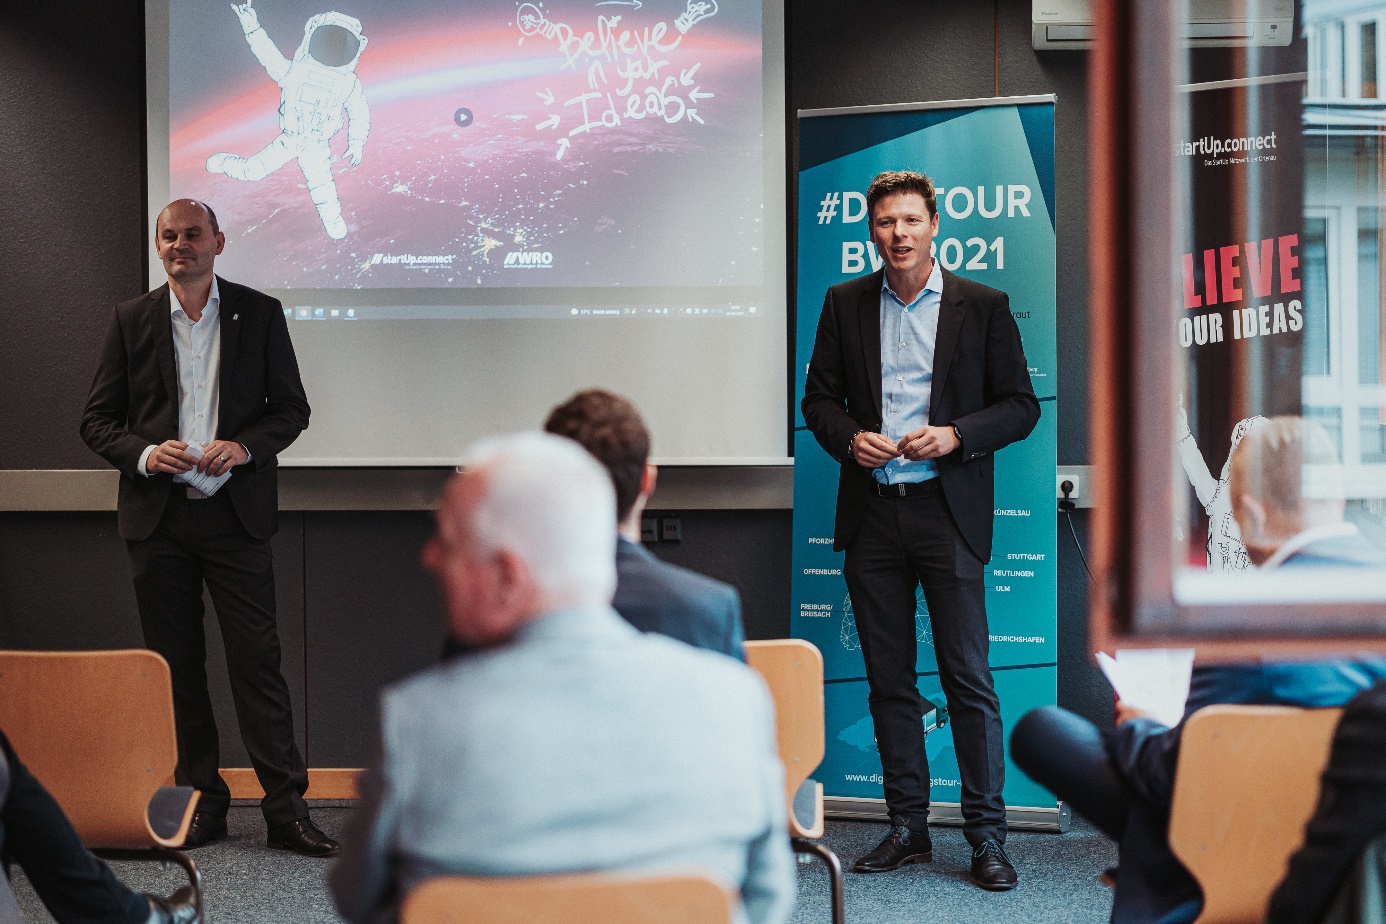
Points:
(170, 814)
(806, 811)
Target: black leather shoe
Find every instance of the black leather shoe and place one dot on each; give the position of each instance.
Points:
(178, 908)
(302, 836)
(991, 868)
(900, 846)
(204, 829)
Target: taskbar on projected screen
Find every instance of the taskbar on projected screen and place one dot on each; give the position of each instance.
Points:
(523, 312)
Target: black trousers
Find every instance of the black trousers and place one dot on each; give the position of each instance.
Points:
(903, 543)
(1066, 754)
(72, 884)
(201, 541)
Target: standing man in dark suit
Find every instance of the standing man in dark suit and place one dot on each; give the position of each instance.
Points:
(198, 378)
(917, 377)
(651, 595)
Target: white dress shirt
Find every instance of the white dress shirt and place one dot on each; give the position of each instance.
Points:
(197, 356)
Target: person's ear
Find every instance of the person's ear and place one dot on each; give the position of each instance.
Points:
(515, 589)
(1251, 517)
(648, 479)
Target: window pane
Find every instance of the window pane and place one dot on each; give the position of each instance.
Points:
(1316, 297)
(1367, 57)
(1280, 442)
(1369, 285)
(1373, 434)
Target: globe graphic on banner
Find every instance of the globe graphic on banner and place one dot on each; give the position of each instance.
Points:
(923, 631)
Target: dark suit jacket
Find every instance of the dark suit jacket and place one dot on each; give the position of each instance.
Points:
(981, 385)
(655, 596)
(134, 403)
(1350, 814)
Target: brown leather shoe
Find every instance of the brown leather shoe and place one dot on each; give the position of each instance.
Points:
(900, 846)
(204, 829)
(302, 836)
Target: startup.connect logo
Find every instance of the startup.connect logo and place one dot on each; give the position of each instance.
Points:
(412, 260)
(529, 259)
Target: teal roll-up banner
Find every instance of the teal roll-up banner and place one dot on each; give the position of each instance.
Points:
(992, 162)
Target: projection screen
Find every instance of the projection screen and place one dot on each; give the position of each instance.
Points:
(471, 210)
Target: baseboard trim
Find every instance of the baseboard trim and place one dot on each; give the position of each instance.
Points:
(323, 783)
(1018, 818)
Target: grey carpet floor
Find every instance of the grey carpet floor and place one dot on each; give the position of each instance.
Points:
(245, 882)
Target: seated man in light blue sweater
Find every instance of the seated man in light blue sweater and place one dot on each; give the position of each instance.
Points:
(564, 740)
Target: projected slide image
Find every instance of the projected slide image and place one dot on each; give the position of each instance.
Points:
(436, 144)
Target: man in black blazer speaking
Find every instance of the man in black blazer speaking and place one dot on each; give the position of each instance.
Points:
(917, 378)
(196, 393)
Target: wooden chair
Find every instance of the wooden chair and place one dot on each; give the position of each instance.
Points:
(793, 669)
(1246, 783)
(588, 898)
(96, 728)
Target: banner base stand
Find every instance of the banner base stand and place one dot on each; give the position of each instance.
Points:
(1018, 818)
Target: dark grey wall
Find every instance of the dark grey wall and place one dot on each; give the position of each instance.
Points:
(356, 609)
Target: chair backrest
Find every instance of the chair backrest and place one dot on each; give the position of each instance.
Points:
(96, 728)
(588, 898)
(1246, 783)
(793, 669)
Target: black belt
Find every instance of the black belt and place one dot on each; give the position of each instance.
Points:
(910, 489)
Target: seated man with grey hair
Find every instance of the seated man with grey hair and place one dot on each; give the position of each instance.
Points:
(563, 740)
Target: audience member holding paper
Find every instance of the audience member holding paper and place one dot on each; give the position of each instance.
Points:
(196, 393)
(1122, 779)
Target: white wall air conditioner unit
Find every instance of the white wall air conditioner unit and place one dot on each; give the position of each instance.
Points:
(1068, 24)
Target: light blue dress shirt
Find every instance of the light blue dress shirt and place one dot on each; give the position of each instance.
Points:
(907, 373)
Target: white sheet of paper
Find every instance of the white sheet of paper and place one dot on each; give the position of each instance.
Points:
(201, 480)
(1153, 680)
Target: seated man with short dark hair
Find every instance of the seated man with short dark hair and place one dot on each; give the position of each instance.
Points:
(1122, 779)
(652, 595)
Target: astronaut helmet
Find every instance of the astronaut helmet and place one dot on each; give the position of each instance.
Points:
(1244, 427)
(332, 40)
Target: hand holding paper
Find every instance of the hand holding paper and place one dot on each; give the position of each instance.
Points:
(207, 484)
(1155, 681)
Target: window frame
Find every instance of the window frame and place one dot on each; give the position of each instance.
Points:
(1135, 65)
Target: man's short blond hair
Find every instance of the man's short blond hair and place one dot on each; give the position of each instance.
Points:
(1288, 464)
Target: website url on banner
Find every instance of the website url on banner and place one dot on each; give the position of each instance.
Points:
(1215, 146)
(876, 778)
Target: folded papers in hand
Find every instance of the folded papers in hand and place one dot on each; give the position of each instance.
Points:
(202, 481)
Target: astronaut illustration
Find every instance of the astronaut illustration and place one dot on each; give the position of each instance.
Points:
(315, 87)
(1226, 553)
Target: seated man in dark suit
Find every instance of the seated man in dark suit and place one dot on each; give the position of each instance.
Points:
(1122, 779)
(73, 885)
(651, 595)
